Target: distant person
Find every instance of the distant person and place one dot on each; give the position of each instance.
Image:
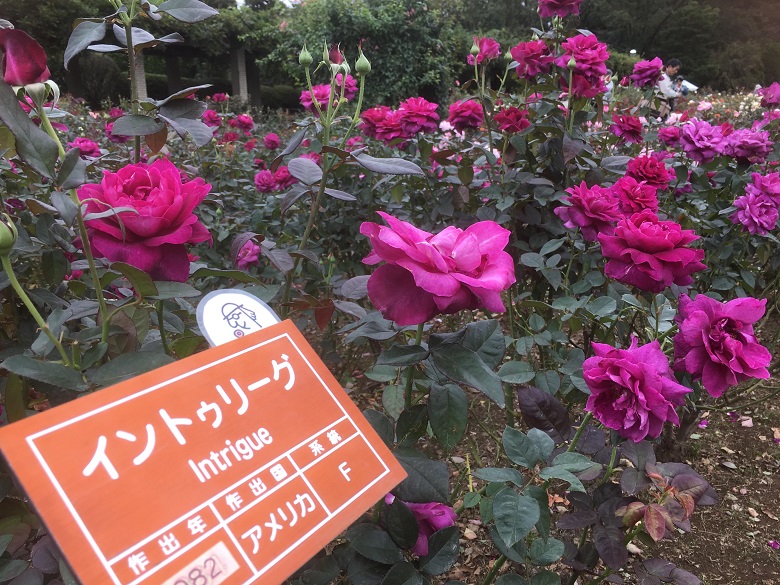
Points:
(679, 88)
(664, 89)
(610, 85)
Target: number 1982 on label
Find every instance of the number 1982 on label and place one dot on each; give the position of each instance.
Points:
(211, 568)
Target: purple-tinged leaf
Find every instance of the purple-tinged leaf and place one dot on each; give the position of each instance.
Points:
(672, 470)
(305, 170)
(656, 518)
(239, 242)
(294, 143)
(577, 520)
(545, 412)
(187, 10)
(85, 33)
(355, 288)
(634, 481)
(609, 544)
(640, 454)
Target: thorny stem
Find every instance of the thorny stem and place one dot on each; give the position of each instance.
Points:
(410, 372)
(579, 432)
(127, 20)
(161, 324)
(491, 576)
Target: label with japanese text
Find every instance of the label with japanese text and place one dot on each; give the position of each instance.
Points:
(232, 466)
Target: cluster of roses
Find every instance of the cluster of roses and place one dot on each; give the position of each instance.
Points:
(703, 142)
(758, 209)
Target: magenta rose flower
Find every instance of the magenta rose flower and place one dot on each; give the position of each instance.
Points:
(431, 517)
(426, 274)
(271, 141)
(548, 8)
(245, 122)
(371, 118)
(633, 391)
(766, 119)
(488, 49)
(669, 135)
(220, 98)
(350, 86)
(465, 114)
(512, 120)
(770, 96)
(153, 239)
(23, 60)
(701, 141)
(86, 147)
(229, 137)
(283, 178)
(248, 255)
(592, 209)
(418, 115)
(716, 343)
(748, 146)
(650, 254)
(320, 93)
(756, 212)
(627, 128)
(647, 73)
(768, 185)
(590, 58)
(265, 182)
(634, 196)
(533, 58)
(390, 127)
(211, 118)
(651, 170)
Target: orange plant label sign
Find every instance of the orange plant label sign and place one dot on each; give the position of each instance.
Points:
(233, 466)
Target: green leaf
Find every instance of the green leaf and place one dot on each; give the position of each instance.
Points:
(174, 290)
(602, 307)
(393, 400)
(511, 579)
(516, 553)
(382, 424)
(187, 10)
(5, 540)
(15, 402)
(465, 366)
(73, 171)
(515, 515)
(547, 552)
(200, 133)
(448, 412)
(486, 340)
(546, 578)
(12, 568)
(364, 571)
(519, 448)
(403, 574)
(402, 355)
(374, 543)
(402, 524)
(560, 473)
(574, 462)
(442, 551)
(127, 365)
(471, 499)
(412, 424)
(341, 195)
(544, 444)
(54, 266)
(501, 474)
(33, 145)
(136, 125)
(540, 495)
(48, 372)
(141, 282)
(389, 166)
(85, 33)
(237, 275)
(426, 481)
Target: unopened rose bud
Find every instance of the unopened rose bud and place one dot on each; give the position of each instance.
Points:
(572, 63)
(508, 57)
(362, 65)
(345, 69)
(8, 235)
(474, 49)
(304, 57)
(334, 55)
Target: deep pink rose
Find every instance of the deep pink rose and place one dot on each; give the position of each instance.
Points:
(533, 58)
(265, 182)
(220, 98)
(548, 8)
(590, 57)
(153, 239)
(390, 128)
(271, 141)
(768, 185)
(116, 112)
(592, 209)
(770, 96)
(716, 343)
(633, 391)
(634, 196)
(418, 115)
(701, 141)
(283, 178)
(757, 213)
(766, 119)
(748, 146)
(650, 254)
(651, 170)
(249, 145)
(22, 59)
(431, 517)
(370, 118)
(350, 86)
(647, 73)
(426, 274)
(488, 49)
(211, 118)
(669, 135)
(512, 120)
(248, 255)
(244, 122)
(312, 156)
(86, 146)
(321, 93)
(229, 137)
(627, 128)
(465, 114)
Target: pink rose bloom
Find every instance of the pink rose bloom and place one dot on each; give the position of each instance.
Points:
(592, 209)
(115, 138)
(371, 118)
(768, 185)
(701, 141)
(634, 196)
(152, 240)
(533, 58)
(248, 255)
(647, 73)
(716, 343)
(245, 122)
(431, 517)
(465, 114)
(748, 146)
(669, 135)
(512, 119)
(116, 112)
(211, 118)
(390, 127)
(651, 170)
(757, 213)
(633, 391)
(650, 254)
(548, 8)
(770, 96)
(312, 156)
(627, 128)
(229, 137)
(766, 119)
(488, 49)
(86, 146)
(350, 86)
(265, 182)
(283, 178)
(590, 58)
(219, 98)
(271, 141)
(23, 60)
(418, 115)
(321, 93)
(425, 274)
(249, 145)
(704, 106)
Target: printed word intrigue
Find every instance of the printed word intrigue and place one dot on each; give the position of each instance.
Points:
(242, 450)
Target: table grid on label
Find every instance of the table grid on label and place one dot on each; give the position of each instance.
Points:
(283, 470)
